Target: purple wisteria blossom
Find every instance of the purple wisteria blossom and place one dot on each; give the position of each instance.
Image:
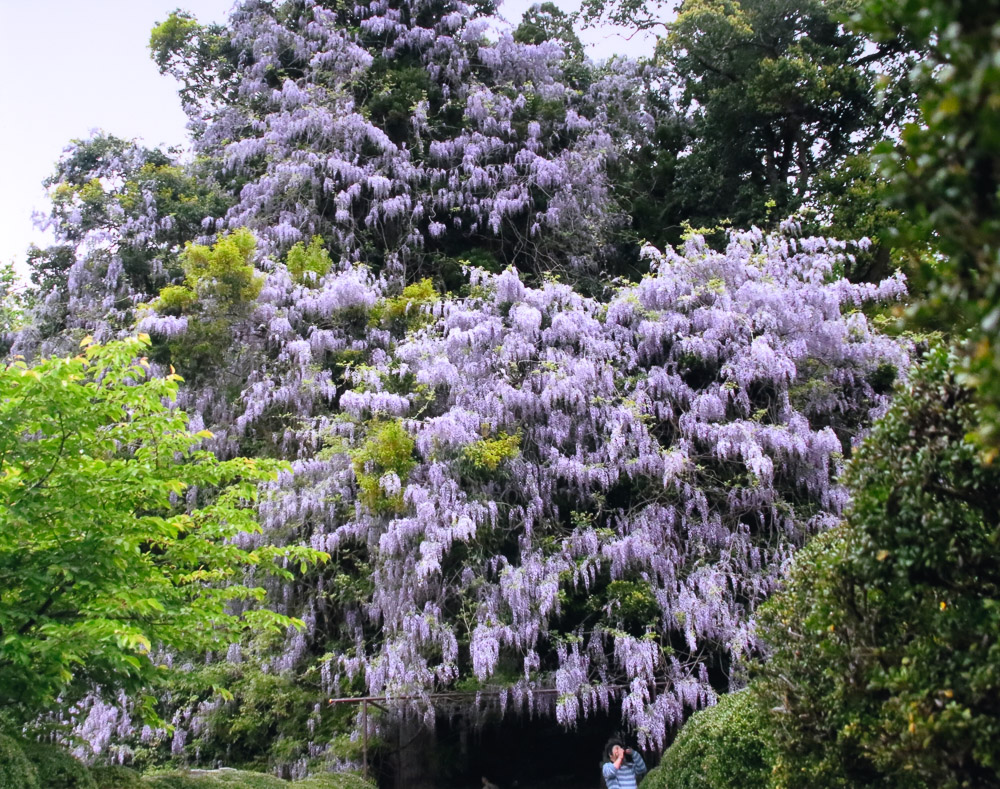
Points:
(674, 446)
(577, 502)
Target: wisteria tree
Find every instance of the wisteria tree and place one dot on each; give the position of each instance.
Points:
(403, 135)
(526, 490)
(534, 478)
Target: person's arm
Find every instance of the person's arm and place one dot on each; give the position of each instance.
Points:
(610, 775)
(637, 763)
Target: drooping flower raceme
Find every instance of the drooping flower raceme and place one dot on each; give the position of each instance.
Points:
(576, 501)
(594, 497)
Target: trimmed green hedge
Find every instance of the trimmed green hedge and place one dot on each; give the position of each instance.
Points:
(32, 765)
(16, 772)
(242, 779)
(212, 779)
(333, 781)
(722, 747)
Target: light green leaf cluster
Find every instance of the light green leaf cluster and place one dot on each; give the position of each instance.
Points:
(102, 563)
(308, 264)
(225, 270)
(387, 450)
(489, 453)
(405, 312)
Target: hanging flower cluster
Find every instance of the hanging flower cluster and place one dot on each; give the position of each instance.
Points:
(398, 130)
(522, 488)
(529, 489)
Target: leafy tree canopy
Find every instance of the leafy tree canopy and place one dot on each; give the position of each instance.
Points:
(777, 95)
(945, 176)
(116, 529)
(547, 22)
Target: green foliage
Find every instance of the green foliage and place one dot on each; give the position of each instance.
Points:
(106, 184)
(57, 769)
(945, 177)
(489, 453)
(14, 301)
(547, 22)
(307, 264)
(388, 449)
(775, 98)
(199, 57)
(264, 717)
(16, 772)
(390, 92)
(779, 92)
(49, 267)
(886, 639)
(224, 271)
(212, 779)
(405, 312)
(171, 35)
(721, 747)
(98, 562)
(220, 286)
(635, 604)
(242, 779)
(333, 781)
(852, 197)
(115, 777)
(176, 300)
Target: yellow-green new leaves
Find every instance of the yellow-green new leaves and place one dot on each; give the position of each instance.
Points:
(382, 465)
(224, 271)
(116, 529)
(220, 286)
(307, 264)
(406, 311)
(489, 453)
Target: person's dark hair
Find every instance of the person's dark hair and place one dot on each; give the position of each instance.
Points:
(616, 740)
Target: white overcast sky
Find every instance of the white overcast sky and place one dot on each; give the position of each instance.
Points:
(73, 66)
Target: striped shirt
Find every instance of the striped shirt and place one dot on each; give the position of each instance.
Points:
(627, 776)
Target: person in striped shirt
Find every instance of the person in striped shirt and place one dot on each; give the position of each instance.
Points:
(624, 767)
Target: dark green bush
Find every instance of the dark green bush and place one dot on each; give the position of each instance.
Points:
(885, 669)
(721, 747)
(57, 769)
(16, 772)
(116, 777)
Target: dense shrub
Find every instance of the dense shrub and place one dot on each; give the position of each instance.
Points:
(885, 669)
(57, 769)
(16, 772)
(116, 777)
(719, 747)
(943, 174)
